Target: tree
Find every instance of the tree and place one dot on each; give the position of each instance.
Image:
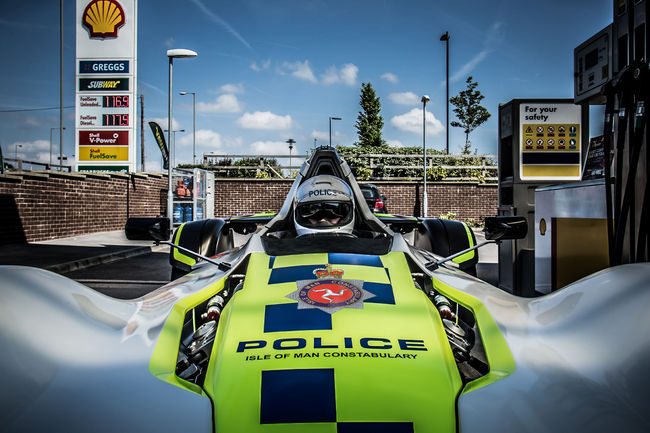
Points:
(469, 110)
(369, 121)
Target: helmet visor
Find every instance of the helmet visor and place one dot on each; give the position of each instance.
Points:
(320, 210)
(324, 214)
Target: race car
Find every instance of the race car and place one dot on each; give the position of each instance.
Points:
(324, 317)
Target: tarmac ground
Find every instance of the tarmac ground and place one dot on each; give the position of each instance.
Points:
(79, 252)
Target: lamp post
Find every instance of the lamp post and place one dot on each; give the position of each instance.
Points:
(193, 124)
(16, 152)
(173, 157)
(61, 128)
(424, 100)
(178, 53)
(290, 141)
(52, 129)
(332, 118)
(445, 38)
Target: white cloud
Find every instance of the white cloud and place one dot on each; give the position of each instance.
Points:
(301, 70)
(153, 165)
(389, 76)
(258, 68)
(323, 137)
(207, 141)
(223, 104)
(36, 145)
(468, 67)
(394, 143)
(162, 121)
(404, 98)
(205, 138)
(269, 148)
(412, 122)
(346, 75)
(33, 121)
(37, 150)
(221, 22)
(491, 42)
(264, 120)
(320, 135)
(170, 42)
(151, 86)
(232, 88)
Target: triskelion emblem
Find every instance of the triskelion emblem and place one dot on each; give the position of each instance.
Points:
(330, 292)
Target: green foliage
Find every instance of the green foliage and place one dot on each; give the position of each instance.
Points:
(473, 222)
(436, 173)
(396, 156)
(369, 121)
(448, 216)
(362, 173)
(233, 171)
(469, 111)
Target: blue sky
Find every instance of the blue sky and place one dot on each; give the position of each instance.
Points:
(268, 71)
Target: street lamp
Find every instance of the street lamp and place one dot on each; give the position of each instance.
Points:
(52, 129)
(424, 100)
(445, 38)
(178, 53)
(16, 152)
(173, 157)
(290, 141)
(332, 118)
(193, 124)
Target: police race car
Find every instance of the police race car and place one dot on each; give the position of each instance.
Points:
(327, 319)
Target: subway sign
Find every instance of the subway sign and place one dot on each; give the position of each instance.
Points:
(103, 66)
(103, 84)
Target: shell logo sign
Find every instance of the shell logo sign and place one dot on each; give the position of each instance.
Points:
(102, 18)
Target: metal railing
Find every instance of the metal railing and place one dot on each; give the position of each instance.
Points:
(487, 166)
(12, 164)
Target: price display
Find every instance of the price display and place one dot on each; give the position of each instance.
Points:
(115, 101)
(115, 120)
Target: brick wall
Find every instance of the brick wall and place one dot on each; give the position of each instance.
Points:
(243, 196)
(39, 206)
(466, 200)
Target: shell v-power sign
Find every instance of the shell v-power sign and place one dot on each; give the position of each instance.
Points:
(106, 65)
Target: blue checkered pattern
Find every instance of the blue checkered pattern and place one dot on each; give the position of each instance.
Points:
(287, 317)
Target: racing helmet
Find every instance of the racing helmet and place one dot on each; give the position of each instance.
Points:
(324, 204)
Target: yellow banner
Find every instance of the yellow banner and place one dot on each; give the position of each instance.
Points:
(551, 170)
(103, 153)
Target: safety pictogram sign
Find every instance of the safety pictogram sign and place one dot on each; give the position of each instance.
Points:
(550, 141)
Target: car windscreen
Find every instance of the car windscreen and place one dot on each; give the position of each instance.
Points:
(367, 193)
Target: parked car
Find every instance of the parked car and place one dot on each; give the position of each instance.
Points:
(376, 202)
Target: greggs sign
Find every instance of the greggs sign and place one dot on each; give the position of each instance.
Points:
(103, 18)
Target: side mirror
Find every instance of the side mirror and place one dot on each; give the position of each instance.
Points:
(505, 227)
(154, 229)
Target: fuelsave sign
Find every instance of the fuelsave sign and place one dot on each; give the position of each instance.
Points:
(103, 146)
(106, 84)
